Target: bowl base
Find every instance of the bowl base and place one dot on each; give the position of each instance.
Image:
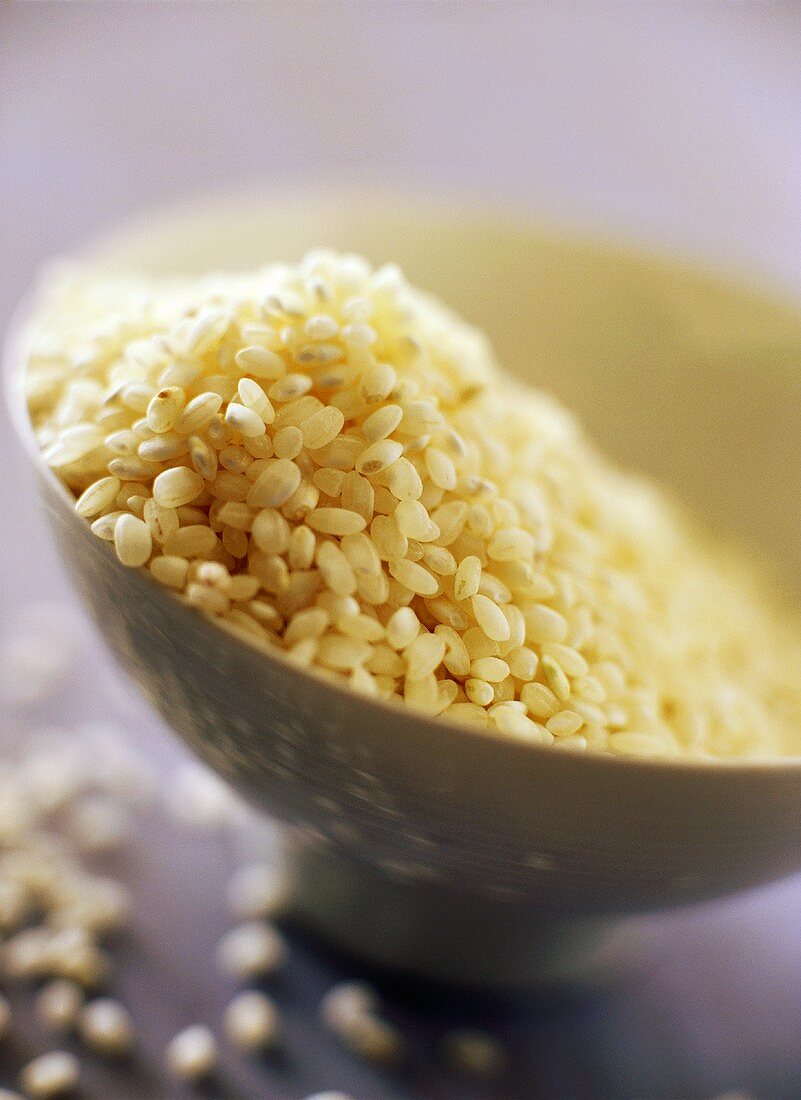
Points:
(426, 930)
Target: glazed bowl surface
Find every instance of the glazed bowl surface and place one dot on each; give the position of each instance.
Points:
(421, 843)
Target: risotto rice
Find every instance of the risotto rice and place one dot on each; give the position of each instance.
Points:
(328, 462)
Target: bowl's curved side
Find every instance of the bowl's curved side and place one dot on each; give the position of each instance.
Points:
(416, 797)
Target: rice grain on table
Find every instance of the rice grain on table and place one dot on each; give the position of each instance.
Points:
(105, 1026)
(251, 950)
(251, 1021)
(58, 1004)
(331, 463)
(192, 1054)
(51, 1074)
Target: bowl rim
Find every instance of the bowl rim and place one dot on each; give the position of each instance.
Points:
(450, 206)
(492, 217)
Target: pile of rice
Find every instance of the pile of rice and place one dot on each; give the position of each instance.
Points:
(328, 462)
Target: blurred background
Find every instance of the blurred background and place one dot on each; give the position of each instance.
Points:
(676, 125)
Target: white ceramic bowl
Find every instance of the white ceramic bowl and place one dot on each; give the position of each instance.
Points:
(460, 853)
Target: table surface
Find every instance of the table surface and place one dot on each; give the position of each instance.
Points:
(676, 123)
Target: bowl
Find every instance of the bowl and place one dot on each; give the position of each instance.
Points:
(457, 853)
